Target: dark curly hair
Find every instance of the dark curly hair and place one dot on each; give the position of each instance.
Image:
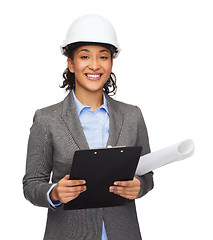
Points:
(109, 87)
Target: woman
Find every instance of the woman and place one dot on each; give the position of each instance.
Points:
(86, 118)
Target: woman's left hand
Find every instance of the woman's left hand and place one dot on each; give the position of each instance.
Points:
(126, 189)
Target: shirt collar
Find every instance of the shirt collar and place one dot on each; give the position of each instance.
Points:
(80, 106)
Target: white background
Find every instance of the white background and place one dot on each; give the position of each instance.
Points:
(165, 68)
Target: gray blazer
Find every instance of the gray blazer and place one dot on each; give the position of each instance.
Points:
(55, 135)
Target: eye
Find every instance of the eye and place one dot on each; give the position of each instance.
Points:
(104, 57)
(84, 57)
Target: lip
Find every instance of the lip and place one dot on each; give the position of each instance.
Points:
(93, 76)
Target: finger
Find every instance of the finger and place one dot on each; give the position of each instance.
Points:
(66, 199)
(124, 183)
(72, 183)
(81, 188)
(134, 182)
(68, 196)
(69, 190)
(125, 194)
(67, 177)
(128, 196)
(124, 190)
(72, 194)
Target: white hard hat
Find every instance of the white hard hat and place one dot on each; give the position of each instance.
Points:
(91, 28)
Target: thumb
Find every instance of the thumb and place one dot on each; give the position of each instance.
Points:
(67, 177)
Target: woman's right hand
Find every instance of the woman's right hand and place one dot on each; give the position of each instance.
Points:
(67, 190)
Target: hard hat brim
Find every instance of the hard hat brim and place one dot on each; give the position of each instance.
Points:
(115, 51)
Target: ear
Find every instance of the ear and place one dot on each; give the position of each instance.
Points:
(70, 65)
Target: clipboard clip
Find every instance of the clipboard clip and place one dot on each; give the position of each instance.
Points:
(109, 146)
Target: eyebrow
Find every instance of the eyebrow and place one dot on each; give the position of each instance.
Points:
(104, 51)
(86, 50)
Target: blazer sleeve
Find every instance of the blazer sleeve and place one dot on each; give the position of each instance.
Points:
(38, 164)
(146, 180)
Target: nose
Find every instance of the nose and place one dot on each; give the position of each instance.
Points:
(94, 64)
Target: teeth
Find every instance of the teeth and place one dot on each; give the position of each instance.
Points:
(93, 76)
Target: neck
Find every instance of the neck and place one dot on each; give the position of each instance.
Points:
(91, 99)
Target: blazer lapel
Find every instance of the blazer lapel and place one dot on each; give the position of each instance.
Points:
(74, 127)
(72, 122)
(115, 121)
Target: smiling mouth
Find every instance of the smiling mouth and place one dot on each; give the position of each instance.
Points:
(94, 76)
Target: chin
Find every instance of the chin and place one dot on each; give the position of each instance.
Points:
(95, 88)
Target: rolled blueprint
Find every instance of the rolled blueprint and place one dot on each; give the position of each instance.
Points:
(173, 153)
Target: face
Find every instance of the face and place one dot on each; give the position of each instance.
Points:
(92, 66)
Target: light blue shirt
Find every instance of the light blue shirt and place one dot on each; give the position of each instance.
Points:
(96, 129)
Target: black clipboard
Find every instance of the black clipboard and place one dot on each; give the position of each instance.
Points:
(101, 168)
